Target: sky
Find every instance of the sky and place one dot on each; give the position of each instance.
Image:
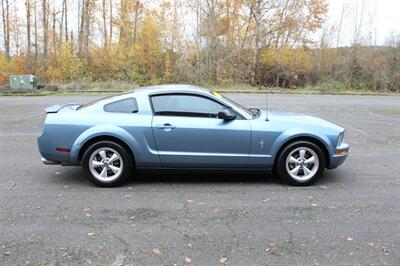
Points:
(381, 18)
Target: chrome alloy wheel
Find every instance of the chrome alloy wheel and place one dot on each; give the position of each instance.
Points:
(302, 164)
(106, 164)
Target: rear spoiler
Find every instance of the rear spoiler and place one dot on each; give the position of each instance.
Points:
(57, 107)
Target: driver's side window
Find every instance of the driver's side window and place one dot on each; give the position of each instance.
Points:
(185, 105)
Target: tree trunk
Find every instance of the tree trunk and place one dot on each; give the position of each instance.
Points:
(45, 28)
(5, 29)
(66, 20)
(135, 24)
(136, 19)
(61, 25)
(54, 29)
(111, 22)
(36, 30)
(256, 55)
(81, 26)
(28, 26)
(123, 36)
(104, 23)
(87, 26)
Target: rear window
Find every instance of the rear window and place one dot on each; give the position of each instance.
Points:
(128, 105)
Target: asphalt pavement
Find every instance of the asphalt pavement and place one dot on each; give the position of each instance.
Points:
(51, 215)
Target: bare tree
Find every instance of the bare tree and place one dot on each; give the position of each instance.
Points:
(105, 38)
(87, 25)
(45, 27)
(53, 13)
(61, 30)
(111, 21)
(355, 66)
(259, 10)
(28, 6)
(5, 6)
(81, 23)
(137, 9)
(128, 28)
(84, 28)
(65, 8)
(36, 28)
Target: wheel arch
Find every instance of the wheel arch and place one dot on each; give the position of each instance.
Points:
(99, 138)
(308, 138)
(99, 133)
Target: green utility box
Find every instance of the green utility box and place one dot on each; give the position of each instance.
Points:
(23, 83)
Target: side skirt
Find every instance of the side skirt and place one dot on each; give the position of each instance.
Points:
(203, 170)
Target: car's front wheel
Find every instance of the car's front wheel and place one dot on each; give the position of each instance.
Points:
(301, 163)
(107, 164)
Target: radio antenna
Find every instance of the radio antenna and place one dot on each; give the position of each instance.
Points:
(266, 103)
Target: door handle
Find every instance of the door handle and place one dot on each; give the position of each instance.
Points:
(166, 127)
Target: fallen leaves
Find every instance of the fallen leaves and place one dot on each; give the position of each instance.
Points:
(87, 214)
(91, 233)
(12, 185)
(223, 259)
(188, 260)
(349, 238)
(215, 211)
(382, 248)
(264, 200)
(156, 251)
(271, 249)
(385, 249)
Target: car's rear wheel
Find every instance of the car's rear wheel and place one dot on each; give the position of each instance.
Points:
(301, 163)
(107, 164)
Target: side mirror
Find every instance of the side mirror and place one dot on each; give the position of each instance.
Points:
(226, 115)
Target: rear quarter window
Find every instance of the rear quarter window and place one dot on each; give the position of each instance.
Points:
(128, 105)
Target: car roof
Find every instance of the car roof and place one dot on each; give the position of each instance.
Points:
(150, 90)
(172, 88)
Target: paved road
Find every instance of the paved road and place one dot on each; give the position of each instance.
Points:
(52, 215)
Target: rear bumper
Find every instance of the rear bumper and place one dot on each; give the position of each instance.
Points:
(48, 150)
(340, 156)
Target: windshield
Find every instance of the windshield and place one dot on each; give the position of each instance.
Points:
(235, 104)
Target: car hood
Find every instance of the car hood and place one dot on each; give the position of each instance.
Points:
(298, 118)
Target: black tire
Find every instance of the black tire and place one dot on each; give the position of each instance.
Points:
(124, 161)
(282, 167)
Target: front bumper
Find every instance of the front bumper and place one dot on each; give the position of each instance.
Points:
(341, 153)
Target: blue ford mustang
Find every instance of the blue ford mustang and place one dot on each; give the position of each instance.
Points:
(187, 127)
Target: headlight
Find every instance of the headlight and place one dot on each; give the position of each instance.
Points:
(340, 139)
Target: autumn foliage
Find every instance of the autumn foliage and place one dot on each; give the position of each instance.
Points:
(257, 42)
